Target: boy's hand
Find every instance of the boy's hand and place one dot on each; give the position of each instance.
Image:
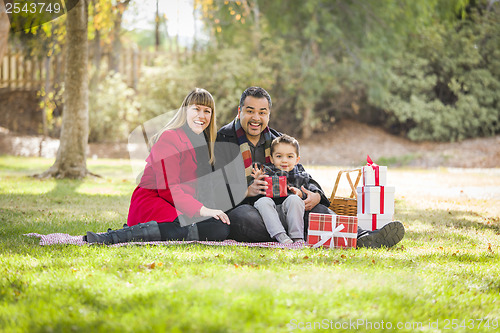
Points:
(312, 198)
(295, 191)
(256, 171)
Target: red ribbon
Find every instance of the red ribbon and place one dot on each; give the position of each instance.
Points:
(382, 200)
(375, 168)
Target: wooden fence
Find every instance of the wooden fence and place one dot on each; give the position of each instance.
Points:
(19, 72)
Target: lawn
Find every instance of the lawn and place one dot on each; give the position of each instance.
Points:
(443, 276)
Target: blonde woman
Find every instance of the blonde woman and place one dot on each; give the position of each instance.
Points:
(167, 203)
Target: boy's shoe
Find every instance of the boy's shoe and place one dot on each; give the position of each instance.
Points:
(389, 235)
(298, 241)
(283, 238)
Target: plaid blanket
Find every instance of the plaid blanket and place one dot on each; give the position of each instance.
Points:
(59, 238)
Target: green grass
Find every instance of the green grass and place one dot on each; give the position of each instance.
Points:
(446, 268)
(397, 161)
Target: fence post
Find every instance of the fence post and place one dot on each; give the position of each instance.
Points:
(9, 69)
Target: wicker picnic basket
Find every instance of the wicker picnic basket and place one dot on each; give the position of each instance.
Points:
(347, 206)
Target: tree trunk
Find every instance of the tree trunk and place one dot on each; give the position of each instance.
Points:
(256, 31)
(306, 123)
(157, 28)
(71, 161)
(94, 80)
(116, 45)
(4, 30)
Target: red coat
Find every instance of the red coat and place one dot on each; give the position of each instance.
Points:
(168, 185)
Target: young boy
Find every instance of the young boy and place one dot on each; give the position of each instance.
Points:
(286, 212)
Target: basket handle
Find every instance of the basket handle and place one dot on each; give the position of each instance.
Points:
(353, 186)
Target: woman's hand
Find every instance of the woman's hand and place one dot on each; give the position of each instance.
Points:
(215, 213)
(295, 191)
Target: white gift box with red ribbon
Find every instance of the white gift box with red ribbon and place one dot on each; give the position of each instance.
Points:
(375, 199)
(373, 174)
(373, 221)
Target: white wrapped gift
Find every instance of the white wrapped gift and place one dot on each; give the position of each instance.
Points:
(373, 221)
(375, 199)
(374, 175)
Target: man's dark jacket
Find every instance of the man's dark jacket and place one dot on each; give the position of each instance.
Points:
(227, 133)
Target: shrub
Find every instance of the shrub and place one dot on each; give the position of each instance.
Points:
(446, 86)
(113, 110)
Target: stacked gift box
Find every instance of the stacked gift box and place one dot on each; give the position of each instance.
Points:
(375, 198)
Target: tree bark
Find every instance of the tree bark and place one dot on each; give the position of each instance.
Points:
(116, 45)
(4, 30)
(157, 28)
(71, 159)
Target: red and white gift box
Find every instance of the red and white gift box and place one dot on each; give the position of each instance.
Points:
(374, 221)
(375, 199)
(332, 231)
(373, 174)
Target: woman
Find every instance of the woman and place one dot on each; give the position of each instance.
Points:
(170, 194)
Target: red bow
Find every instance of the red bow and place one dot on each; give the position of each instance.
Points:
(375, 168)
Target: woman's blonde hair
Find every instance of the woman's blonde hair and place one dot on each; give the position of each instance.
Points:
(198, 96)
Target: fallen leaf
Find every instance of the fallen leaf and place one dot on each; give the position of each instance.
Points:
(373, 261)
(343, 256)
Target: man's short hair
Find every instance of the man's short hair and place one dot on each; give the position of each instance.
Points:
(286, 139)
(256, 92)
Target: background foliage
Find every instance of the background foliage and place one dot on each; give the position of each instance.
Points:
(428, 70)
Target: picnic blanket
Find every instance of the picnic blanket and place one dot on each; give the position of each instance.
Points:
(59, 238)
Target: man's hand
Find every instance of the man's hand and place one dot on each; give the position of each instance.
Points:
(259, 186)
(312, 198)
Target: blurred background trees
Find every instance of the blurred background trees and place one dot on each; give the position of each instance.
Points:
(427, 70)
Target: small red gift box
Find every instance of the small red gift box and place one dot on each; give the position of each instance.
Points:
(276, 186)
(332, 231)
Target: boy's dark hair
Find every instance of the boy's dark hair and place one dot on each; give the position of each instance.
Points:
(256, 92)
(286, 139)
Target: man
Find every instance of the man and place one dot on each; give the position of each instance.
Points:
(250, 131)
